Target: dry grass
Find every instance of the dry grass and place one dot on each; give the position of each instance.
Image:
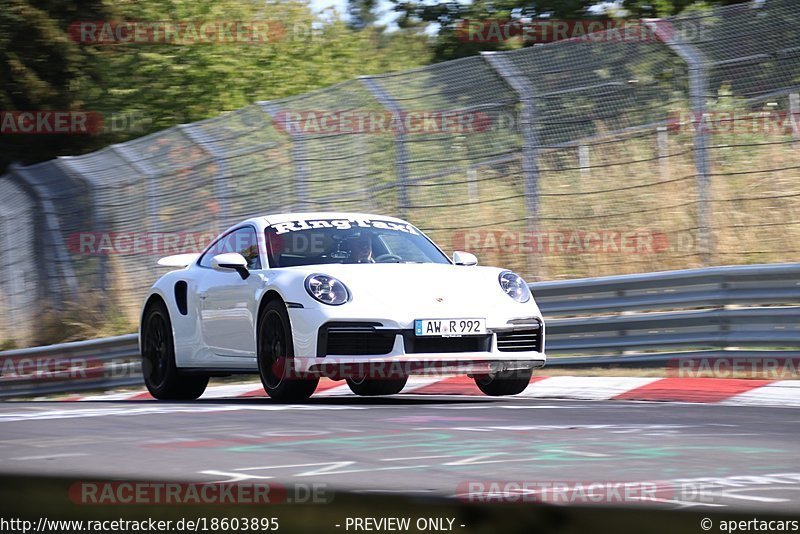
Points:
(754, 207)
(89, 319)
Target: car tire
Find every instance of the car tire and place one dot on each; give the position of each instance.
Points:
(370, 387)
(504, 383)
(162, 377)
(275, 348)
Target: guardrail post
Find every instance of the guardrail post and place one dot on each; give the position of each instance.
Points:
(401, 150)
(698, 90)
(298, 153)
(530, 144)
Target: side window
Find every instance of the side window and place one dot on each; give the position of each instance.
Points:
(205, 261)
(243, 241)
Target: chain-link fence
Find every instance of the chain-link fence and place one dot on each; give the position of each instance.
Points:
(673, 147)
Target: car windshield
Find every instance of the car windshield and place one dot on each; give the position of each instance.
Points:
(321, 241)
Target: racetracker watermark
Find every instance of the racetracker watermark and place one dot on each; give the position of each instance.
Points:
(151, 243)
(768, 123)
(321, 122)
(607, 241)
(289, 233)
(534, 31)
(583, 492)
(46, 368)
(304, 368)
(66, 368)
(49, 122)
(202, 493)
(771, 368)
(177, 32)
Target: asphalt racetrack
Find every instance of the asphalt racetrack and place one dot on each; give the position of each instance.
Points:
(729, 457)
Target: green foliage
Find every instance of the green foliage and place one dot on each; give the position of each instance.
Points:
(448, 15)
(160, 85)
(362, 13)
(666, 8)
(42, 69)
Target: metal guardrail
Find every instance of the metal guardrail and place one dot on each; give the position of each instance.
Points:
(629, 320)
(770, 284)
(652, 319)
(94, 364)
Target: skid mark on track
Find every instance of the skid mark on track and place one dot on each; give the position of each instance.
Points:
(49, 456)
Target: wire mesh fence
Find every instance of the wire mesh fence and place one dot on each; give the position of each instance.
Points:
(582, 157)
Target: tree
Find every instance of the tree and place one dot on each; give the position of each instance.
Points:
(452, 18)
(155, 85)
(362, 13)
(666, 8)
(42, 69)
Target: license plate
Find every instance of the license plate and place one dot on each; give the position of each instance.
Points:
(450, 327)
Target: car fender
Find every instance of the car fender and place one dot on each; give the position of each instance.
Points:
(185, 327)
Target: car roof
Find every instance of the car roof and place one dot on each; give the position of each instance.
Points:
(313, 215)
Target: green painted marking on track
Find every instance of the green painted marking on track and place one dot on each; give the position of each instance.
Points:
(417, 443)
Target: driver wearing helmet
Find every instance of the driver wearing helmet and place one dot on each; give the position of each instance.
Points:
(360, 249)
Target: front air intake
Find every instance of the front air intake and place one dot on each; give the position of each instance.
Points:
(526, 340)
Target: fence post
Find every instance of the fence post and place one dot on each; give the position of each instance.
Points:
(10, 282)
(364, 180)
(472, 183)
(207, 146)
(530, 144)
(794, 113)
(149, 175)
(698, 90)
(55, 236)
(583, 159)
(662, 144)
(152, 193)
(39, 276)
(100, 225)
(401, 150)
(298, 157)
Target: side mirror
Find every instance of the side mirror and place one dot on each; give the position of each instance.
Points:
(464, 258)
(232, 261)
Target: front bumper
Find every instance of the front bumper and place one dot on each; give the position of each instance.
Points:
(393, 367)
(344, 349)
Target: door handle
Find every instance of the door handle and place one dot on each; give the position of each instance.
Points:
(202, 294)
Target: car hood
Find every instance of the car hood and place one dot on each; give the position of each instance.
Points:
(424, 284)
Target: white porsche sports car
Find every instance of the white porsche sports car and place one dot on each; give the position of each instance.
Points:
(364, 298)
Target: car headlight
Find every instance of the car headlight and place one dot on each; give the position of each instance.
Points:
(514, 286)
(327, 289)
